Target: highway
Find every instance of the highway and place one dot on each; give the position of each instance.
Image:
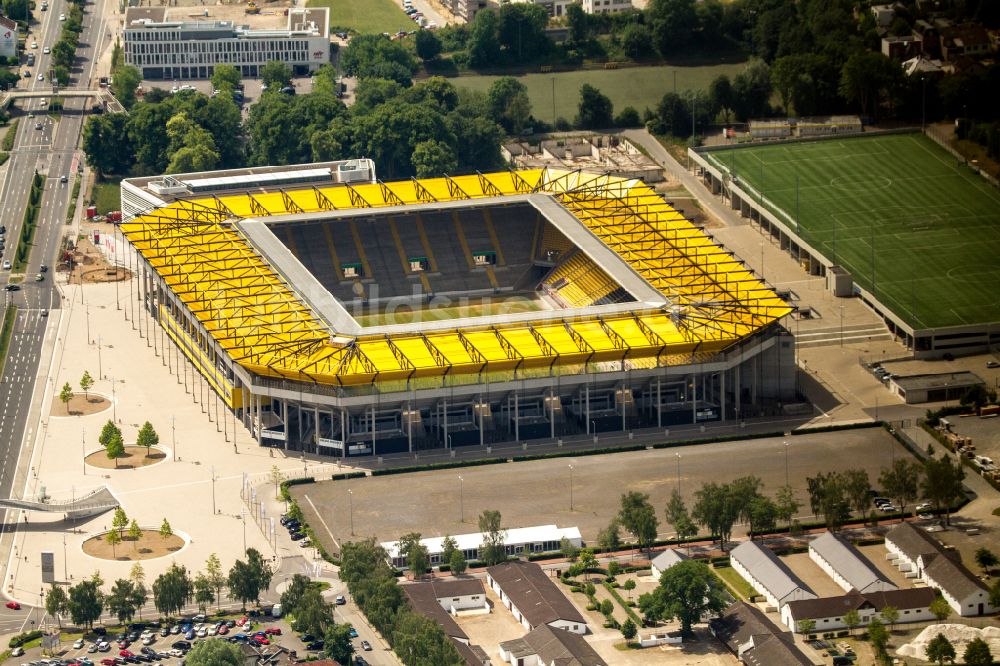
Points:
(51, 151)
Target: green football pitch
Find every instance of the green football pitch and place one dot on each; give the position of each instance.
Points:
(913, 227)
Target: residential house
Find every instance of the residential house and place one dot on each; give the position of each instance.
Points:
(768, 574)
(919, 555)
(969, 39)
(440, 600)
(754, 639)
(665, 560)
(531, 596)
(547, 646)
(828, 613)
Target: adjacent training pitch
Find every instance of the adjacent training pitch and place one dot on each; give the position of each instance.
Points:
(913, 227)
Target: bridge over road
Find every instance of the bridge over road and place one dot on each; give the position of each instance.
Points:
(93, 503)
(108, 100)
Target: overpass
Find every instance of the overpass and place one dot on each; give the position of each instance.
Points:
(109, 101)
(93, 503)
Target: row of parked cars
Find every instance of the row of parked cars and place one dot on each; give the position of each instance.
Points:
(295, 530)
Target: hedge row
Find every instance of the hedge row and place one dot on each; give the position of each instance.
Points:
(435, 466)
(347, 475)
(27, 637)
(621, 602)
(834, 428)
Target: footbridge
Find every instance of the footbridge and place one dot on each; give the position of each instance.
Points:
(93, 503)
(103, 95)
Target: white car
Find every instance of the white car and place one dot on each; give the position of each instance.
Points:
(62, 17)
(6, 265)
(40, 77)
(78, 644)
(46, 50)
(202, 633)
(34, 45)
(923, 506)
(17, 652)
(213, 631)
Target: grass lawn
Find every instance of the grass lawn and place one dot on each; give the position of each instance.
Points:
(735, 582)
(913, 227)
(365, 16)
(640, 87)
(106, 196)
(474, 307)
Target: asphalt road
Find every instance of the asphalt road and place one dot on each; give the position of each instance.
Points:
(51, 151)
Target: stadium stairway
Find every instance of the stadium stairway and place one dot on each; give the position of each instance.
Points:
(830, 336)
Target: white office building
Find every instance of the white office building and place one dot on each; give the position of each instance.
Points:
(190, 49)
(606, 6)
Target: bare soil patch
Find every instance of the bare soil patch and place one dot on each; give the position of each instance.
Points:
(80, 405)
(149, 546)
(90, 266)
(135, 456)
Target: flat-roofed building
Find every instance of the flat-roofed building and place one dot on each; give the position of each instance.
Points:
(768, 574)
(531, 596)
(846, 566)
(186, 48)
(517, 541)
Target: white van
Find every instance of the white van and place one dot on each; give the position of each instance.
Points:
(276, 610)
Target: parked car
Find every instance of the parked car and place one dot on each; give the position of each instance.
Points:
(13, 605)
(366, 646)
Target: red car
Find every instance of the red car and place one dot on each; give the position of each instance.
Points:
(108, 662)
(243, 620)
(223, 630)
(263, 640)
(273, 631)
(125, 653)
(13, 605)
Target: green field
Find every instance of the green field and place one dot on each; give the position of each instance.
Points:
(448, 308)
(106, 196)
(639, 87)
(912, 226)
(365, 16)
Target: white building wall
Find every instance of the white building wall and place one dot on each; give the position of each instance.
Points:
(830, 571)
(837, 622)
(606, 6)
(572, 627)
(8, 41)
(741, 570)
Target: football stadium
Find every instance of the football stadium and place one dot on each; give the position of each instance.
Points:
(912, 230)
(338, 314)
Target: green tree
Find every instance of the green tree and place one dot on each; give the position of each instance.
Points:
(509, 104)
(940, 650)
(977, 653)
(213, 571)
(613, 569)
(214, 652)
(852, 619)
(629, 631)
(484, 45)
(607, 608)
(120, 600)
(786, 504)
(428, 46)
(225, 77)
(204, 593)
(56, 602)
(828, 497)
(636, 41)
(995, 594)
(433, 159)
(116, 449)
(521, 31)
(688, 591)
(375, 56)
(312, 614)
(569, 550)
(66, 395)
(492, 550)
(134, 532)
(106, 143)
(716, 509)
(86, 383)
(277, 477)
(637, 516)
(805, 626)
(942, 483)
(752, 90)
(940, 609)
(674, 115)
(295, 591)
(578, 23)
(126, 80)
(608, 538)
(901, 482)
(165, 530)
(587, 562)
(890, 615)
(856, 487)
(113, 538)
(247, 579)
(172, 589)
(975, 397)
(457, 563)
(595, 110)
(119, 521)
(192, 147)
(673, 23)
(985, 559)
(878, 636)
(415, 553)
(763, 515)
(720, 96)
(276, 75)
(866, 77)
(139, 596)
(85, 603)
(448, 546)
(339, 645)
(416, 635)
(107, 433)
(628, 586)
(147, 437)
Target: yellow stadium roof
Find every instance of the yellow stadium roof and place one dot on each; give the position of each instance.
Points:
(265, 326)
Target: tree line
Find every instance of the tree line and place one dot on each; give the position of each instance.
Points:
(172, 590)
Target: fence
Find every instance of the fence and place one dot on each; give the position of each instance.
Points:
(941, 139)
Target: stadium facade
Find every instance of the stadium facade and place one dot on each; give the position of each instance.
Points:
(337, 314)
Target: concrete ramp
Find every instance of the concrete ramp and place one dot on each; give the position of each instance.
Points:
(91, 504)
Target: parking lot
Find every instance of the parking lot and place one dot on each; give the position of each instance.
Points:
(436, 503)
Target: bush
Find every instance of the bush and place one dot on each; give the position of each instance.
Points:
(347, 475)
(299, 482)
(27, 637)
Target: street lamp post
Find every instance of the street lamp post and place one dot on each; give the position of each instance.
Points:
(173, 435)
(461, 498)
(570, 487)
(114, 405)
(213, 490)
(350, 499)
(243, 517)
(678, 473)
(786, 463)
